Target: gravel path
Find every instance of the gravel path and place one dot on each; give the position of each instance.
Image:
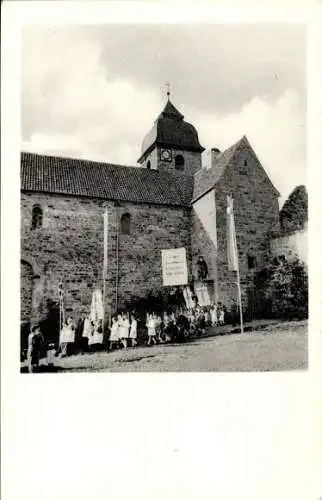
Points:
(275, 348)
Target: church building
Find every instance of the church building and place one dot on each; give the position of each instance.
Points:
(170, 200)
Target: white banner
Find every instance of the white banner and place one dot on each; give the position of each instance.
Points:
(202, 295)
(232, 253)
(174, 267)
(205, 209)
(105, 256)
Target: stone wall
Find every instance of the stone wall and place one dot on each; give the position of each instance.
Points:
(256, 214)
(191, 165)
(26, 292)
(69, 246)
(153, 228)
(291, 245)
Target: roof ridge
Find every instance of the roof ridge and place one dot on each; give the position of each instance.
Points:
(94, 163)
(233, 147)
(206, 179)
(70, 158)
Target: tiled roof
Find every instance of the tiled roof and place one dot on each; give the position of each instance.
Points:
(69, 176)
(170, 111)
(170, 130)
(207, 178)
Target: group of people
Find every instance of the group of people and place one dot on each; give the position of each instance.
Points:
(164, 327)
(123, 330)
(215, 314)
(88, 335)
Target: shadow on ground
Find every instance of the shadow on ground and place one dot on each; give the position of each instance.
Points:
(45, 369)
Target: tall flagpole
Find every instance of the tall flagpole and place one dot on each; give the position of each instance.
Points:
(240, 302)
(105, 260)
(233, 263)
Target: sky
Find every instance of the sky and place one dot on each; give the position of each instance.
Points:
(94, 92)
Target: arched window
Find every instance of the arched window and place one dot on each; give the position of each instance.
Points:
(148, 165)
(179, 162)
(36, 217)
(125, 224)
(251, 261)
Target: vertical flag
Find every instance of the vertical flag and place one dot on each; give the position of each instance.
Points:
(105, 241)
(105, 257)
(61, 305)
(232, 252)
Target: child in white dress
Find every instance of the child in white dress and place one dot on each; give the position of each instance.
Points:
(98, 333)
(151, 329)
(120, 324)
(124, 330)
(114, 335)
(213, 314)
(221, 317)
(133, 330)
(158, 331)
(87, 334)
(66, 337)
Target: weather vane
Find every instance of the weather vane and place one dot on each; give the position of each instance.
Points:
(167, 84)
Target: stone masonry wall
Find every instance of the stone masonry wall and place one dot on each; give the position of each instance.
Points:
(69, 246)
(153, 228)
(256, 213)
(26, 293)
(191, 165)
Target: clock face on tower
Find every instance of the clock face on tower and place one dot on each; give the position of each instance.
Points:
(166, 154)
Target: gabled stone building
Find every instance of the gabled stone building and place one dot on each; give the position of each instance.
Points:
(168, 201)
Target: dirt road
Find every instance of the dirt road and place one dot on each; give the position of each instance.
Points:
(278, 347)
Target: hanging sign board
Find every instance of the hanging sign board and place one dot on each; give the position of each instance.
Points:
(174, 267)
(202, 295)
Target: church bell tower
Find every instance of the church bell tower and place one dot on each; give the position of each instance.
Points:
(172, 144)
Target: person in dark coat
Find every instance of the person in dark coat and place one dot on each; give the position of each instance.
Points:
(202, 269)
(79, 333)
(171, 331)
(183, 327)
(35, 348)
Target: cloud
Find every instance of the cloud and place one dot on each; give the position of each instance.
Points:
(68, 105)
(276, 132)
(95, 92)
(211, 66)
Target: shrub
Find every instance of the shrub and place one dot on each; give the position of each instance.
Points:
(283, 290)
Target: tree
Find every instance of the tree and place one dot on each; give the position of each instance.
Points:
(287, 289)
(294, 213)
